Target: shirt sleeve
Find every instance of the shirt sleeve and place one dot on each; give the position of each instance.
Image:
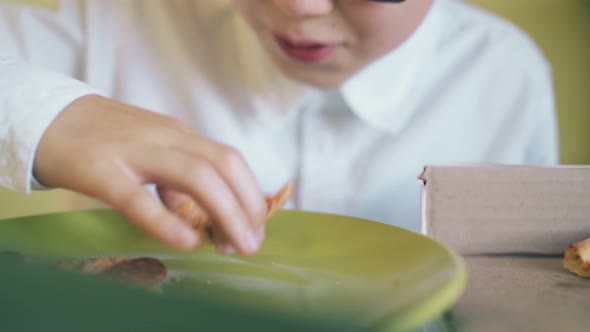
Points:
(39, 60)
(543, 146)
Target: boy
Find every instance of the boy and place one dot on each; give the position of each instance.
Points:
(348, 98)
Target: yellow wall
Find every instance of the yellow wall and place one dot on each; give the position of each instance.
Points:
(560, 27)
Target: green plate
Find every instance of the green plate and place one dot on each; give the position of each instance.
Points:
(312, 266)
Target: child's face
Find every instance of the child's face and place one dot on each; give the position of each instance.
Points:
(324, 42)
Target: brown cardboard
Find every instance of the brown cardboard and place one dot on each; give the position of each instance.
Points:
(482, 209)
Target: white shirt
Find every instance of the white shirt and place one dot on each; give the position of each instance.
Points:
(466, 87)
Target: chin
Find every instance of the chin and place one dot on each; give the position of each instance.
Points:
(317, 77)
(317, 80)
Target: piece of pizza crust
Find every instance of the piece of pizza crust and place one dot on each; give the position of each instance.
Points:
(201, 223)
(275, 203)
(147, 272)
(577, 258)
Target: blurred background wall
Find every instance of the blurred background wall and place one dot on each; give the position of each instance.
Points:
(560, 27)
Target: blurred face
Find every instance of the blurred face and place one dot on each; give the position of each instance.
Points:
(325, 42)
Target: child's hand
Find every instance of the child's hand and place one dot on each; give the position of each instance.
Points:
(109, 150)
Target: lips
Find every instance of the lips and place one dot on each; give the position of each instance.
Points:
(304, 50)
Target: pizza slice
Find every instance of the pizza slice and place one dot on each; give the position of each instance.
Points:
(577, 258)
(201, 223)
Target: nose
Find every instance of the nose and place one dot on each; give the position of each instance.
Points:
(305, 7)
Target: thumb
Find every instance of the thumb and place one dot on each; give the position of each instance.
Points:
(172, 199)
(185, 207)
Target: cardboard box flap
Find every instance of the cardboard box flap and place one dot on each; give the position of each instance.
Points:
(480, 209)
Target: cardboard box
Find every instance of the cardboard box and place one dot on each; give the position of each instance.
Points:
(478, 209)
(512, 225)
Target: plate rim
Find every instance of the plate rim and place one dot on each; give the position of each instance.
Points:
(414, 316)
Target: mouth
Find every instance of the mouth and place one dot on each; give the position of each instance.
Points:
(308, 51)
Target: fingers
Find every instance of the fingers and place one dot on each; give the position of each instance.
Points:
(145, 211)
(244, 185)
(223, 245)
(201, 180)
(184, 206)
(237, 174)
(176, 201)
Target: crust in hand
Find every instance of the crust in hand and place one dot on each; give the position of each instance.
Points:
(190, 212)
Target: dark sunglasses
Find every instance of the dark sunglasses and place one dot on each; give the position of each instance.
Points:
(388, 0)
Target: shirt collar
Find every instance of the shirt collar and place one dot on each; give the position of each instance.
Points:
(382, 93)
